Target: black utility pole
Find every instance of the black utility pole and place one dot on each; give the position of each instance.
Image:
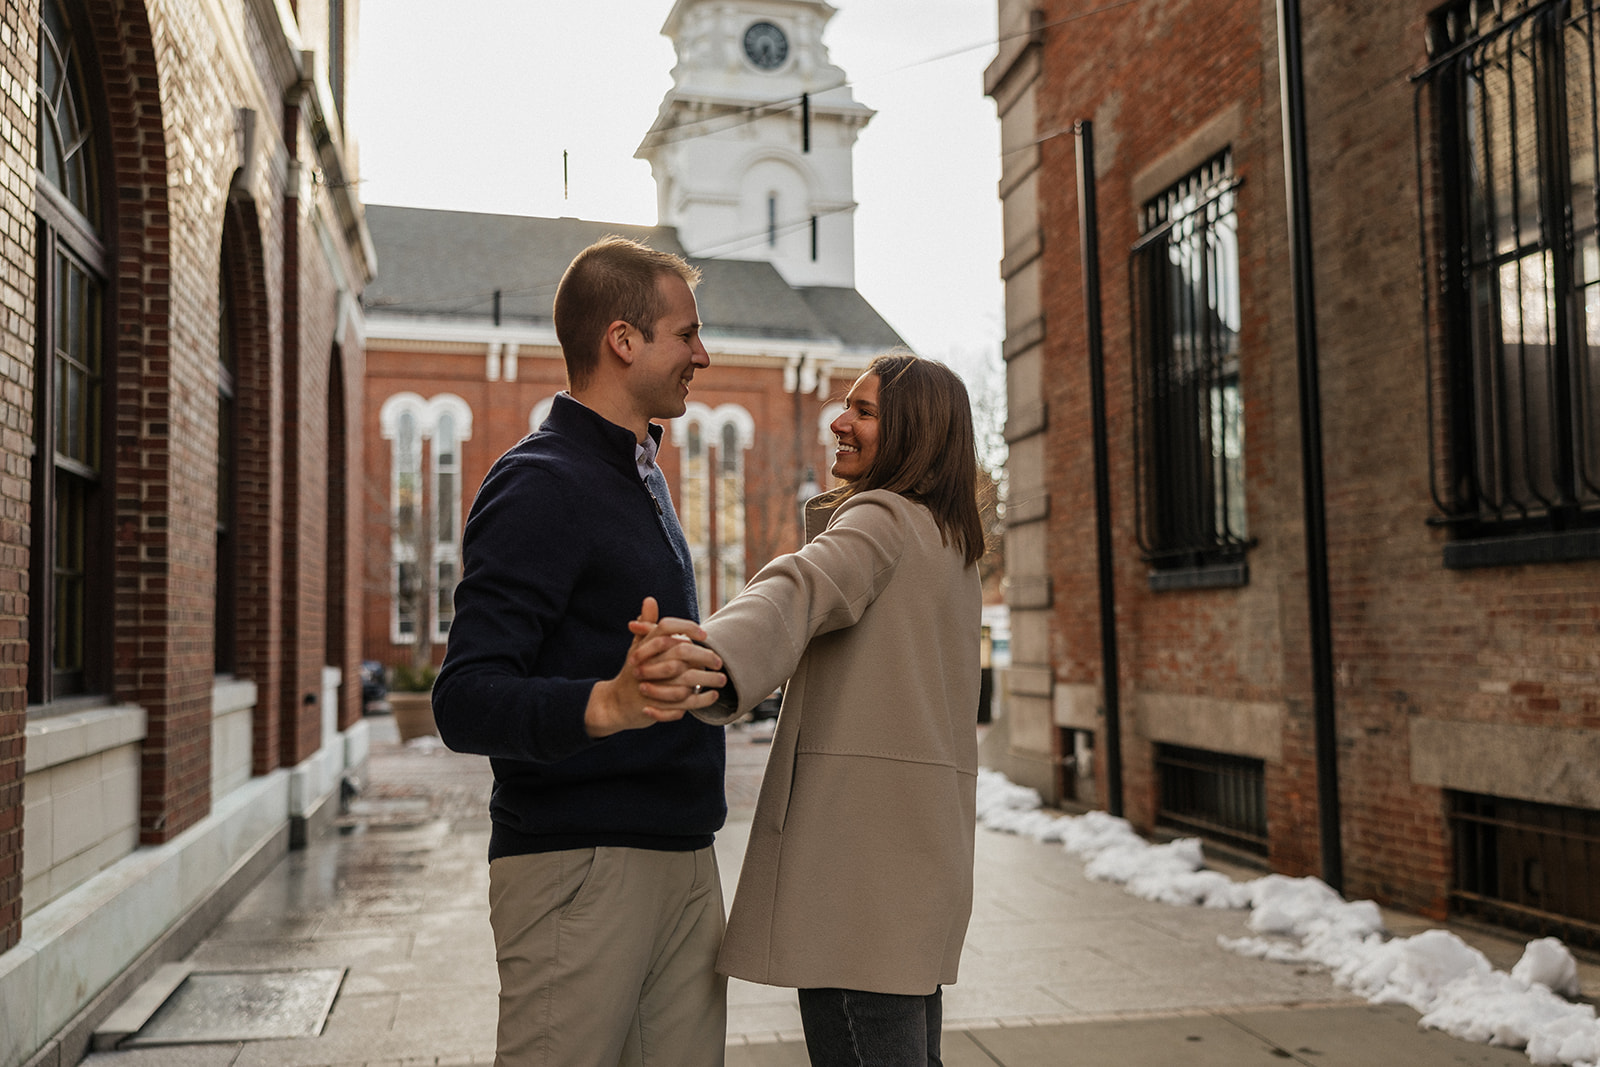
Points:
(1089, 244)
(1297, 175)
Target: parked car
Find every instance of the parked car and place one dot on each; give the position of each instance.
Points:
(374, 683)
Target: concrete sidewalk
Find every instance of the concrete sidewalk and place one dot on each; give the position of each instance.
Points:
(1057, 969)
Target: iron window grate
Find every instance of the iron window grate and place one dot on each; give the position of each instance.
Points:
(1221, 797)
(1508, 180)
(1189, 415)
(1529, 866)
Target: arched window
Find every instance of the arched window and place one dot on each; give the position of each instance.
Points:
(66, 132)
(711, 493)
(730, 513)
(447, 521)
(425, 511)
(541, 411)
(694, 494)
(70, 607)
(407, 505)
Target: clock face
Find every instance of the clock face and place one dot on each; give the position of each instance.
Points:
(766, 45)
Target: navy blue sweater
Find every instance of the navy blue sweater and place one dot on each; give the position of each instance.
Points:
(563, 542)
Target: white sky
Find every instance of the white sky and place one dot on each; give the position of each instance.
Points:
(473, 111)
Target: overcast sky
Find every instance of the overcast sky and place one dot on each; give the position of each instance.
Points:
(472, 112)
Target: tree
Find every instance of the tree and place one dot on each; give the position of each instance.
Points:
(984, 371)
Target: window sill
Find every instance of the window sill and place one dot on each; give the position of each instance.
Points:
(230, 695)
(76, 735)
(1206, 576)
(1555, 547)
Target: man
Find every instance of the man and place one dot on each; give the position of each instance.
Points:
(603, 888)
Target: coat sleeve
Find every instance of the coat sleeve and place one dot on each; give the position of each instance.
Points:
(826, 586)
(496, 694)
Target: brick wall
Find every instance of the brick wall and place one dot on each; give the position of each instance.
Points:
(500, 418)
(171, 113)
(1412, 641)
(18, 66)
(1161, 102)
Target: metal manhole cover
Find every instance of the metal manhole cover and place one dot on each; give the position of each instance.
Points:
(243, 1006)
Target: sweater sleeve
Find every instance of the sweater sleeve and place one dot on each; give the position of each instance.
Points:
(826, 586)
(498, 693)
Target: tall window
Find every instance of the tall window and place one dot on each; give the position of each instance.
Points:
(696, 514)
(711, 494)
(425, 512)
(70, 602)
(447, 523)
(1189, 415)
(408, 590)
(1516, 397)
(730, 514)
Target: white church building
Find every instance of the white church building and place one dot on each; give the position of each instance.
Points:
(752, 149)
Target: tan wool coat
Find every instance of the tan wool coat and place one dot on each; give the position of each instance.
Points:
(859, 868)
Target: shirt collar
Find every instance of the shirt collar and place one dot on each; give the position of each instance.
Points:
(644, 456)
(571, 415)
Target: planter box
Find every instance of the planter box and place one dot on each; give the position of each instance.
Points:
(413, 715)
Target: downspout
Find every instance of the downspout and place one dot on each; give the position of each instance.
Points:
(1089, 242)
(1297, 180)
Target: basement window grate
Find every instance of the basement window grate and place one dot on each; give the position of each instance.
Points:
(1528, 866)
(1220, 797)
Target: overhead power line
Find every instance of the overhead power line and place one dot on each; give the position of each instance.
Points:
(736, 116)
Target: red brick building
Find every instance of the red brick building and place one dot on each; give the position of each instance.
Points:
(462, 362)
(751, 152)
(1437, 700)
(182, 370)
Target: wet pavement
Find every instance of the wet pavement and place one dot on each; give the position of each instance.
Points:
(1057, 969)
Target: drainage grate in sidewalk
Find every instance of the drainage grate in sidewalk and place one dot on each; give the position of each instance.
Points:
(210, 1007)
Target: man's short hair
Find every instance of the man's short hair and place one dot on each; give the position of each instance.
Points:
(614, 278)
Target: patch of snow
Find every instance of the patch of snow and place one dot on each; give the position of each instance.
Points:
(1303, 920)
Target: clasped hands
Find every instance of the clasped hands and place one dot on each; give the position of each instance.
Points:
(664, 675)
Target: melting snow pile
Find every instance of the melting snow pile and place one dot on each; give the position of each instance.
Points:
(1303, 920)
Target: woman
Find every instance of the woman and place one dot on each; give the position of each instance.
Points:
(857, 883)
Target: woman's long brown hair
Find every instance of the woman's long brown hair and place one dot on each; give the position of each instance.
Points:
(926, 448)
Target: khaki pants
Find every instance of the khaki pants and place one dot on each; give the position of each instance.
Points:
(606, 958)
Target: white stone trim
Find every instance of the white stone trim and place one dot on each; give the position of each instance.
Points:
(60, 739)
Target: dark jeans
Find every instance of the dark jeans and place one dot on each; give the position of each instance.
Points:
(849, 1028)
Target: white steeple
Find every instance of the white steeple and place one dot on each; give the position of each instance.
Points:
(728, 149)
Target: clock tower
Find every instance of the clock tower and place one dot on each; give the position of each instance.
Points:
(751, 150)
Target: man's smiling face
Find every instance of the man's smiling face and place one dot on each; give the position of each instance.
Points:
(663, 367)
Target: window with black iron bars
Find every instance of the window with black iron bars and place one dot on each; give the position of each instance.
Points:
(1508, 156)
(1189, 417)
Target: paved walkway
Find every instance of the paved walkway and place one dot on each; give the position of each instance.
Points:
(1058, 970)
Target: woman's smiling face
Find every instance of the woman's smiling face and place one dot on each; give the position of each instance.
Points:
(856, 429)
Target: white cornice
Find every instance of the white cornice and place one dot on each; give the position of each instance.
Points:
(382, 328)
(391, 333)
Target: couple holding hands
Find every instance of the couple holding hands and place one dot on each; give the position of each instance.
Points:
(605, 899)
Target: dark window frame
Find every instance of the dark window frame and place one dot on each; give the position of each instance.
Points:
(1184, 277)
(70, 629)
(1514, 391)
